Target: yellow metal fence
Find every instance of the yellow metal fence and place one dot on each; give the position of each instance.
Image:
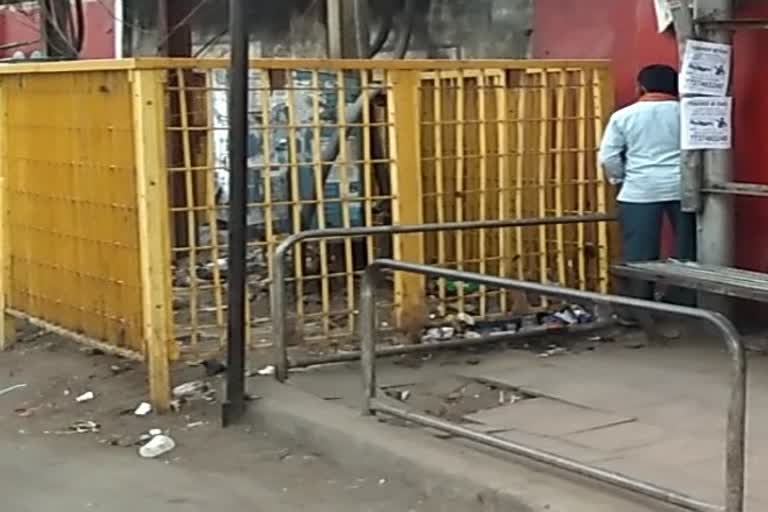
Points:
(117, 230)
(435, 142)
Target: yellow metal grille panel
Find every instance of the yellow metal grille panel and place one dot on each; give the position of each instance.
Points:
(499, 143)
(71, 196)
(441, 141)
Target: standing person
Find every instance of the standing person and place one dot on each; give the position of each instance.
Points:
(640, 153)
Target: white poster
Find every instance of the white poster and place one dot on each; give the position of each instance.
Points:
(706, 123)
(664, 8)
(706, 69)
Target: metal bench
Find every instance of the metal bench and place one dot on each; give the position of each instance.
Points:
(713, 279)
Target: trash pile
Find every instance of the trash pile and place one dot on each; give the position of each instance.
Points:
(464, 326)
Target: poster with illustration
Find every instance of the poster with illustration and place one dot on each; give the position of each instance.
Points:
(706, 123)
(706, 69)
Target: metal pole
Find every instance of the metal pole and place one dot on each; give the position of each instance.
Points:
(715, 241)
(368, 336)
(736, 421)
(119, 10)
(347, 29)
(690, 161)
(278, 301)
(234, 406)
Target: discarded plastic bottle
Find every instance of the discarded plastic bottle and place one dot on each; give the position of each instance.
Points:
(452, 286)
(157, 446)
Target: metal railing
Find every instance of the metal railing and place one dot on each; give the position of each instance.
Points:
(736, 421)
(279, 304)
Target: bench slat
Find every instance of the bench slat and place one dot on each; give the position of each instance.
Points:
(708, 278)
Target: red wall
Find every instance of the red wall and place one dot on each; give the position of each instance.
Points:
(625, 32)
(99, 35)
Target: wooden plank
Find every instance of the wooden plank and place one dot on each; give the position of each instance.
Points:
(7, 323)
(483, 185)
(440, 181)
(405, 128)
(345, 164)
(558, 186)
(461, 196)
(325, 287)
(190, 203)
(346, 64)
(603, 92)
(154, 246)
(543, 160)
(581, 115)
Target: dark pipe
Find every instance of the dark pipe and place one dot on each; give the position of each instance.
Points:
(381, 38)
(234, 406)
(353, 116)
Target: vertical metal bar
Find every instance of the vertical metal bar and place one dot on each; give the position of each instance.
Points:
(502, 177)
(581, 201)
(296, 202)
(209, 176)
(325, 295)
(460, 167)
(482, 83)
(543, 170)
(265, 85)
(191, 213)
(439, 181)
(119, 30)
(368, 166)
(735, 443)
(343, 166)
(559, 186)
(234, 406)
(522, 102)
(368, 336)
(602, 92)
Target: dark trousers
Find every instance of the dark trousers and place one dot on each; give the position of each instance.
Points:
(641, 241)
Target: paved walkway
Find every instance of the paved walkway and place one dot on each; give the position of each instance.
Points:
(654, 413)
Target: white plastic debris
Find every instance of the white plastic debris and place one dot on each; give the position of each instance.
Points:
(11, 388)
(190, 389)
(554, 351)
(267, 370)
(436, 334)
(465, 318)
(85, 397)
(155, 432)
(157, 446)
(143, 409)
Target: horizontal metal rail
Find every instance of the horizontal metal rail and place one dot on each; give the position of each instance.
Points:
(737, 189)
(490, 339)
(280, 271)
(736, 421)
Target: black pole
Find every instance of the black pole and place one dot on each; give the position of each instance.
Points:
(234, 406)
